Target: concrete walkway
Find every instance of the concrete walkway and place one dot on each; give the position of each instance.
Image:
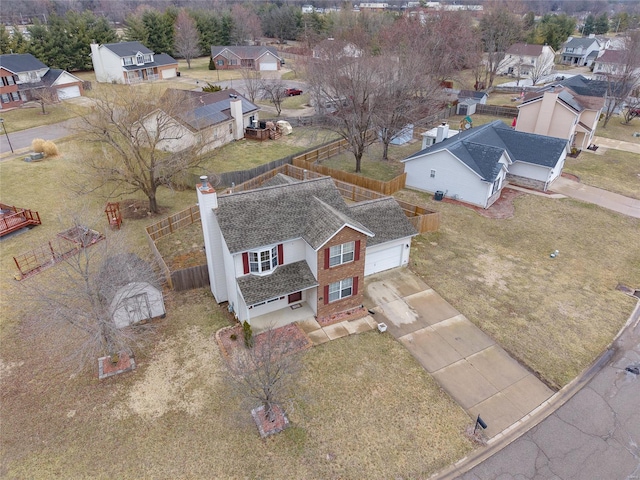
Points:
(612, 201)
(479, 375)
(609, 143)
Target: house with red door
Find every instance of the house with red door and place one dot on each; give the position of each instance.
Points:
(296, 246)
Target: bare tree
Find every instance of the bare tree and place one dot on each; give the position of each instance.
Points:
(624, 77)
(132, 126)
(266, 372)
(541, 68)
(246, 25)
(44, 96)
(273, 90)
(633, 109)
(499, 29)
(86, 290)
(252, 82)
(348, 86)
(186, 38)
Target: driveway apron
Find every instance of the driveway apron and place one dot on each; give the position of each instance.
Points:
(480, 376)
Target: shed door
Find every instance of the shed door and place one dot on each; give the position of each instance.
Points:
(383, 260)
(138, 308)
(68, 92)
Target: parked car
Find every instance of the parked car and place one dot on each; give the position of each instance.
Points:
(290, 92)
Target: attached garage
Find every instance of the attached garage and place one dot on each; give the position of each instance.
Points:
(68, 92)
(383, 257)
(268, 65)
(169, 73)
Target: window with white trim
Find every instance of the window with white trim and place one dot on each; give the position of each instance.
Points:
(147, 58)
(341, 289)
(263, 260)
(139, 59)
(128, 60)
(341, 254)
(433, 174)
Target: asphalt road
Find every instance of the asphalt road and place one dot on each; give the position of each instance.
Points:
(22, 139)
(595, 435)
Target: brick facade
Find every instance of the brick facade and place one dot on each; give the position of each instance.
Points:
(354, 269)
(10, 97)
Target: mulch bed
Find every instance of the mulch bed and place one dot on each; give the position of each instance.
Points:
(570, 176)
(291, 338)
(501, 209)
(107, 369)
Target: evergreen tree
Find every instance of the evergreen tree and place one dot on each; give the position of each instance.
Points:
(602, 24)
(589, 25)
(18, 43)
(135, 30)
(208, 29)
(5, 41)
(159, 28)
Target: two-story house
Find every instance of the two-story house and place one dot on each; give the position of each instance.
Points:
(613, 64)
(297, 245)
(24, 77)
(251, 57)
(559, 111)
(523, 59)
(580, 51)
(130, 62)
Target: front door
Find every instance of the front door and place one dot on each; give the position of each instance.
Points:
(295, 297)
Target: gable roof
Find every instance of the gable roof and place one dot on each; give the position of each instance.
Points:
(479, 95)
(567, 96)
(584, 86)
(244, 52)
(525, 49)
(580, 42)
(612, 56)
(284, 280)
(204, 109)
(481, 147)
(53, 74)
(127, 49)
(20, 62)
(312, 210)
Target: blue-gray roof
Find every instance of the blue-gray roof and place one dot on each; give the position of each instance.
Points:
(159, 60)
(580, 42)
(585, 86)
(478, 95)
(245, 52)
(127, 49)
(480, 148)
(20, 62)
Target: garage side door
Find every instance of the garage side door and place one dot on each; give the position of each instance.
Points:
(68, 92)
(383, 260)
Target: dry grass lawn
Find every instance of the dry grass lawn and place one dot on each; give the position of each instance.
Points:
(615, 170)
(554, 315)
(364, 405)
(31, 116)
(618, 131)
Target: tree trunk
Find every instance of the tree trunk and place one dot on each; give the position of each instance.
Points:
(385, 150)
(358, 162)
(153, 203)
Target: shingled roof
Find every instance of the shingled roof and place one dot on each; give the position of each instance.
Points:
(244, 52)
(480, 148)
(127, 49)
(20, 62)
(312, 210)
(525, 49)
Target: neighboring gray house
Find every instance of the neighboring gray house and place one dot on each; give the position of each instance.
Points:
(580, 51)
(293, 250)
(475, 165)
(251, 57)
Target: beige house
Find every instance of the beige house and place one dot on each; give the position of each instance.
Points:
(523, 60)
(209, 119)
(560, 112)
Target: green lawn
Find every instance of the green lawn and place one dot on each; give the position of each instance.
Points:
(554, 315)
(615, 170)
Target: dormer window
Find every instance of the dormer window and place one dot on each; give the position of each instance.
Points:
(147, 58)
(128, 61)
(139, 59)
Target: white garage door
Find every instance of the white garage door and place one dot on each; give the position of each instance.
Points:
(383, 260)
(268, 66)
(68, 92)
(169, 73)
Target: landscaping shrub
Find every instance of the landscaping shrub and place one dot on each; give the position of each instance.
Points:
(212, 64)
(248, 334)
(211, 88)
(37, 145)
(50, 149)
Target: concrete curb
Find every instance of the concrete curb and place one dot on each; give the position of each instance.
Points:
(547, 408)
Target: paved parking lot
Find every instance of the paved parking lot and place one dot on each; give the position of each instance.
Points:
(468, 364)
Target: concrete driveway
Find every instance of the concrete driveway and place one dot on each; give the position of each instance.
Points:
(478, 374)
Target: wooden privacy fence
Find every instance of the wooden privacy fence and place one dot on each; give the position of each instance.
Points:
(180, 279)
(190, 278)
(497, 110)
(172, 223)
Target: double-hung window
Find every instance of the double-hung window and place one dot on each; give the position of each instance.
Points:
(341, 289)
(128, 60)
(341, 254)
(263, 260)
